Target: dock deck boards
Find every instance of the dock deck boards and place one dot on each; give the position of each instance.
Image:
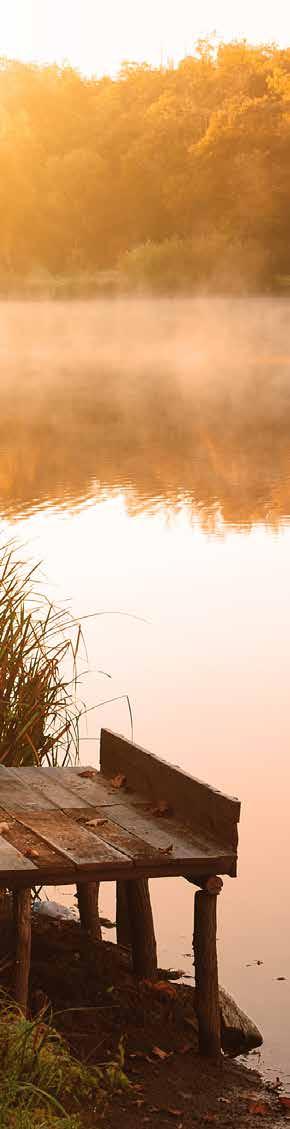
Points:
(136, 817)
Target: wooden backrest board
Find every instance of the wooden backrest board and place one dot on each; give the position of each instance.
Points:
(194, 803)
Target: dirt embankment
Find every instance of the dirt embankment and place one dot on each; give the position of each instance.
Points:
(100, 1006)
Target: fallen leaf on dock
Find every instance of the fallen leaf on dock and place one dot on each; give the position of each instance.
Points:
(89, 772)
(163, 808)
(4, 827)
(159, 1053)
(31, 853)
(95, 822)
(118, 781)
(166, 850)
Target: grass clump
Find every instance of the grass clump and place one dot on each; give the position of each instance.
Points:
(41, 1084)
(39, 716)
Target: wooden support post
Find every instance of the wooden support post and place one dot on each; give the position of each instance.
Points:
(206, 968)
(22, 924)
(143, 941)
(122, 915)
(88, 895)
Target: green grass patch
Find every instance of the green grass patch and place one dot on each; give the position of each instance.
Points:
(41, 1084)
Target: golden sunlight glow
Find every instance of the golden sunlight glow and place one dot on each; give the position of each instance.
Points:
(97, 37)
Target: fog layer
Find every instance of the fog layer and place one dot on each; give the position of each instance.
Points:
(170, 401)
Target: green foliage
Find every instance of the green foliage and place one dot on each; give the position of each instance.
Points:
(41, 1085)
(163, 163)
(38, 711)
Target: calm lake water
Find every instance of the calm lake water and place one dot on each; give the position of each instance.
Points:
(145, 459)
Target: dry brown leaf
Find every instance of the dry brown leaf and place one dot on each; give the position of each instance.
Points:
(31, 853)
(118, 781)
(166, 1109)
(159, 1053)
(162, 808)
(284, 1101)
(166, 850)
(163, 987)
(95, 822)
(260, 1109)
(4, 827)
(89, 773)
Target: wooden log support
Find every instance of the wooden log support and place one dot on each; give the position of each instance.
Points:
(122, 915)
(88, 896)
(206, 968)
(22, 925)
(144, 953)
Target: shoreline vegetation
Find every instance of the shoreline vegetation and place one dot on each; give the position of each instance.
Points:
(164, 179)
(167, 283)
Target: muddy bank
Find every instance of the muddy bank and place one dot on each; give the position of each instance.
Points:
(99, 1006)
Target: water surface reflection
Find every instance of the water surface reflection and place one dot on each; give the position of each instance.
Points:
(145, 458)
(170, 401)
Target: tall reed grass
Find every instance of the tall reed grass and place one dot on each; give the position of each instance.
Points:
(39, 712)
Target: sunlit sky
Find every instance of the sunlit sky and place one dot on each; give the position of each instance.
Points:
(97, 35)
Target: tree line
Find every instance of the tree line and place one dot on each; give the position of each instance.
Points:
(169, 177)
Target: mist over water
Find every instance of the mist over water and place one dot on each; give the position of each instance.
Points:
(145, 458)
(171, 400)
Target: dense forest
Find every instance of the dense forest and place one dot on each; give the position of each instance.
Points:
(169, 177)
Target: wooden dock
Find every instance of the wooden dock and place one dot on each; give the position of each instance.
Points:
(137, 818)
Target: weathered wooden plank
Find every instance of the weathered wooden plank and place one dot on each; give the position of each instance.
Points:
(16, 795)
(170, 840)
(51, 785)
(85, 783)
(73, 841)
(117, 836)
(194, 802)
(30, 845)
(12, 860)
